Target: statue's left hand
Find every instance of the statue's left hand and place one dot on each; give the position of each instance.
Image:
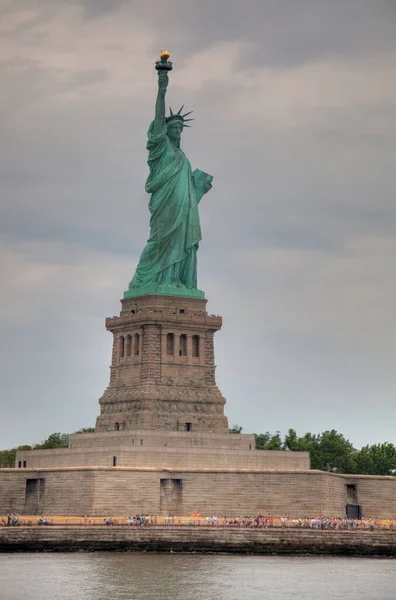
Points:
(206, 187)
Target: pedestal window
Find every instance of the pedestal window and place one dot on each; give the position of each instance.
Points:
(129, 345)
(136, 343)
(195, 346)
(183, 345)
(170, 344)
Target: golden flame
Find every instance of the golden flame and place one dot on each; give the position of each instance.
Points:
(164, 54)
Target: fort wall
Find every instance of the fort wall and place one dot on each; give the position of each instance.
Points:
(123, 490)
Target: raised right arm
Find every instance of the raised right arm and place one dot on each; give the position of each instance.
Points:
(159, 120)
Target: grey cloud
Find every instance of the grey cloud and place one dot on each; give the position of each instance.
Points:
(99, 8)
(297, 252)
(281, 32)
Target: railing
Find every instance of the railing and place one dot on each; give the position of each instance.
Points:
(259, 522)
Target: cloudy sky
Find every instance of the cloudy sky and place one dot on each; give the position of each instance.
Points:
(295, 106)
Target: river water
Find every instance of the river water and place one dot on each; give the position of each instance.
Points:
(124, 576)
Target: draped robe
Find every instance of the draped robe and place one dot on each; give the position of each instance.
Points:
(170, 256)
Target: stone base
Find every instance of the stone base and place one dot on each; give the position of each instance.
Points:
(163, 367)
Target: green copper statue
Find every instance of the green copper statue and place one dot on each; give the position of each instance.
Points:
(168, 263)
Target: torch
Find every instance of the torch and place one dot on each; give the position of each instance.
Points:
(164, 64)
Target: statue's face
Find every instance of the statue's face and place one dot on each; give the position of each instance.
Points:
(174, 131)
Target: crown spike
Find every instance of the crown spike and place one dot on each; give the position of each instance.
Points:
(177, 116)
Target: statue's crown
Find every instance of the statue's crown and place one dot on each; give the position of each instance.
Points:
(179, 117)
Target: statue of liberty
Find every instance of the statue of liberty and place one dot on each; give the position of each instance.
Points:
(168, 263)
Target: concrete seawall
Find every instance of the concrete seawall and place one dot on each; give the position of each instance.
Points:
(196, 539)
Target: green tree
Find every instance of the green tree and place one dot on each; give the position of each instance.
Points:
(329, 451)
(268, 441)
(262, 440)
(379, 459)
(275, 442)
(299, 444)
(7, 458)
(334, 453)
(55, 440)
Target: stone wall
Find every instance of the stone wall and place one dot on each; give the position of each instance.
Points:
(122, 490)
(163, 457)
(197, 539)
(377, 494)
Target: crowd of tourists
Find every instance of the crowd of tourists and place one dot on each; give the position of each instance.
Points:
(11, 520)
(261, 522)
(137, 520)
(196, 520)
(44, 521)
(317, 523)
(140, 520)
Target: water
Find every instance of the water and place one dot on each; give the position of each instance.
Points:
(114, 576)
